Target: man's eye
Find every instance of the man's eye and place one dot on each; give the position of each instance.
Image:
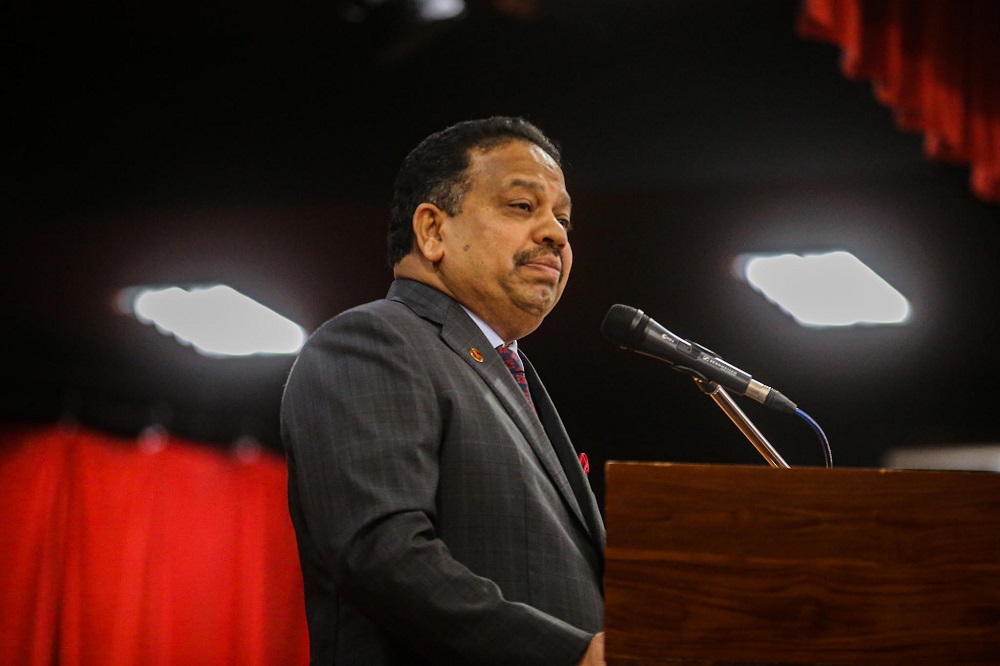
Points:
(566, 223)
(523, 205)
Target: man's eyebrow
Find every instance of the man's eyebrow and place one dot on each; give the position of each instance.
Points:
(538, 187)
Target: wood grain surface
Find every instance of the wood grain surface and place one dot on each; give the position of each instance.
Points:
(754, 565)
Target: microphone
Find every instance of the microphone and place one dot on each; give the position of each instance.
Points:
(631, 329)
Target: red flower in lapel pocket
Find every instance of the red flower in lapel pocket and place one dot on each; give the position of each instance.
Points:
(585, 463)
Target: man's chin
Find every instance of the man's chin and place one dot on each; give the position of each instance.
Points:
(541, 302)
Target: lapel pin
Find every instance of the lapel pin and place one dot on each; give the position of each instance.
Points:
(584, 463)
(475, 353)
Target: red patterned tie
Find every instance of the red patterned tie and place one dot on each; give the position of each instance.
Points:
(517, 369)
(513, 363)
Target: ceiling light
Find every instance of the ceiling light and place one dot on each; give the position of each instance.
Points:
(831, 289)
(215, 320)
(439, 10)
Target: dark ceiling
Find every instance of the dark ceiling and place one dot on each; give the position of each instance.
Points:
(257, 148)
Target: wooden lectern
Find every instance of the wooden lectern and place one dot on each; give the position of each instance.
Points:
(711, 564)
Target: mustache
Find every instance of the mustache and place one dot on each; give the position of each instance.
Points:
(530, 255)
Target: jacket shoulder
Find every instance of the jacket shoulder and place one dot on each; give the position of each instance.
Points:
(380, 314)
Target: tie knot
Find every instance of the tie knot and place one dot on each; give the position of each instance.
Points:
(510, 358)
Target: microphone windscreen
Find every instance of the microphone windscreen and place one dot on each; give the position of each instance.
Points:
(620, 324)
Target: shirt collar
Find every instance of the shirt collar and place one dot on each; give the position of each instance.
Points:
(488, 331)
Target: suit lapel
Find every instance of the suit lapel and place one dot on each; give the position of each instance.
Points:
(567, 455)
(462, 335)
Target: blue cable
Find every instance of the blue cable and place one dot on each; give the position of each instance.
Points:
(827, 454)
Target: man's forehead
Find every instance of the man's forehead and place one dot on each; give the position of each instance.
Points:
(514, 150)
(517, 163)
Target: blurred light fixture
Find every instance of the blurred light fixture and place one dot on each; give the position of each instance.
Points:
(439, 10)
(216, 320)
(401, 11)
(830, 289)
(969, 457)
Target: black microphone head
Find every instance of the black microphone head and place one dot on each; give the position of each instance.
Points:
(623, 325)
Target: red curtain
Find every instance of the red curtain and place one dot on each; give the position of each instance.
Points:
(115, 552)
(936, 63)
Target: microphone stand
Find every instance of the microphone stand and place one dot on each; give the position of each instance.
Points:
(736, 415)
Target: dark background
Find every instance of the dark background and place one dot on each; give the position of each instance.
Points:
(257, 147)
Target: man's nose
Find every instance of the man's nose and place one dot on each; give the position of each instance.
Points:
(552, 232)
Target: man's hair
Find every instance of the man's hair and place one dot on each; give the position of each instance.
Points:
(436, 171)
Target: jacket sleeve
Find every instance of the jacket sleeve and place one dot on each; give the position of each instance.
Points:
(363, 423)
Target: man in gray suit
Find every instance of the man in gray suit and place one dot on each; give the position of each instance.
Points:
(441, 512)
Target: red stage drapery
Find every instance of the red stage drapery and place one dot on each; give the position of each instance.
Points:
(115, 554)
(936, 63)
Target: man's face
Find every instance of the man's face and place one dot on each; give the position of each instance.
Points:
(507, 254)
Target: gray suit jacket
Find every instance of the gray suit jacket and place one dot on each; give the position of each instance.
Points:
(438, 518)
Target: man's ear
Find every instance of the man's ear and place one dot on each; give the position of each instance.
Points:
(427, 220)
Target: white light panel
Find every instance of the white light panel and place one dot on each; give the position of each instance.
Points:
(831, 289)
(216, 320)
(440, 10)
